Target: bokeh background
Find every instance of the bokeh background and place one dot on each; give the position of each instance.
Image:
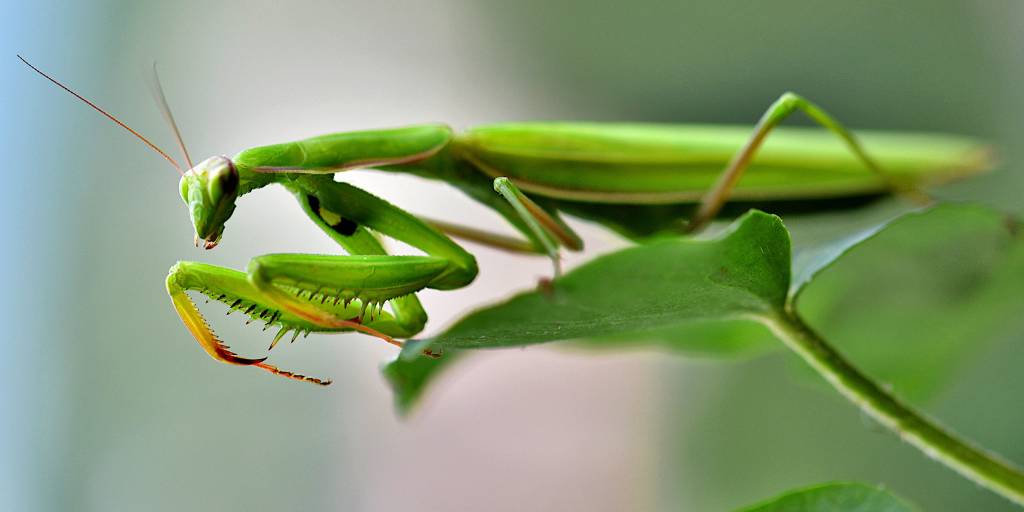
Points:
(107, 404)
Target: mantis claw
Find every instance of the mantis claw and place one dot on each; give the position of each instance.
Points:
(290, 375)
(196, 324)
(207, 244)
(217, 349)
(241, 361)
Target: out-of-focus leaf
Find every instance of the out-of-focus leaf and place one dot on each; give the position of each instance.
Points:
(835, 497)
(910, 307)
(915, 300)
(808, 262)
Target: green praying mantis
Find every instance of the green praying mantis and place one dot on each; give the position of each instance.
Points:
(637, 179)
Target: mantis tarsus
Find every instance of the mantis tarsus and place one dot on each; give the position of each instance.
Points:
(638, 179)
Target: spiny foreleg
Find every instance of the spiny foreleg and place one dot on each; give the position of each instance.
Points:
(306, 298)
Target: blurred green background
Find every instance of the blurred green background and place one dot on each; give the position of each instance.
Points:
(109, 405)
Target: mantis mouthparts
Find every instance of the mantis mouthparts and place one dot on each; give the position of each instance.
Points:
(207, 244)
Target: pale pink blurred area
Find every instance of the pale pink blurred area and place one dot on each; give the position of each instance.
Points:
(532, 430)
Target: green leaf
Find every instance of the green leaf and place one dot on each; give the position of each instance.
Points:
(741, 273)
(721, 339)
(909, 298)
(681, 289)
(814, 236)
(835, 497)
(410, 376)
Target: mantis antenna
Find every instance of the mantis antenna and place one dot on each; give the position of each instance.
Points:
(112, 118)
(165, 110)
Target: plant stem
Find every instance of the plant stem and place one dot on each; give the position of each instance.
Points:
(983, 468)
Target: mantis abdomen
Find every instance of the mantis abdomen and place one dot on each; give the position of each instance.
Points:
(647, 163)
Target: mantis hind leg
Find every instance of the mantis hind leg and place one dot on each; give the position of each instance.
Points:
(782, 108)
(484, 237)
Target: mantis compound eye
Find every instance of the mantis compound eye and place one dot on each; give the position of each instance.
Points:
(209, 190)
(222, 182)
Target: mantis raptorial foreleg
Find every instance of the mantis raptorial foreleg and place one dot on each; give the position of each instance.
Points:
(327, 293)
(788, 103)
(372, 280)
(294, 305)
(342, 210)
(232, 288)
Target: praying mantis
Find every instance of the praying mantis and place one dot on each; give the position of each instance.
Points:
(639, 180)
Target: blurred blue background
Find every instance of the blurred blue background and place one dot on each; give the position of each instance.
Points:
(108, 404)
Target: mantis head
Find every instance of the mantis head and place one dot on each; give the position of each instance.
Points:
(209, 189)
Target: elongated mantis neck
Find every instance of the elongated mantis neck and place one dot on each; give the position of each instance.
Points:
(250, 180)
(442, 165)
(436, 164)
